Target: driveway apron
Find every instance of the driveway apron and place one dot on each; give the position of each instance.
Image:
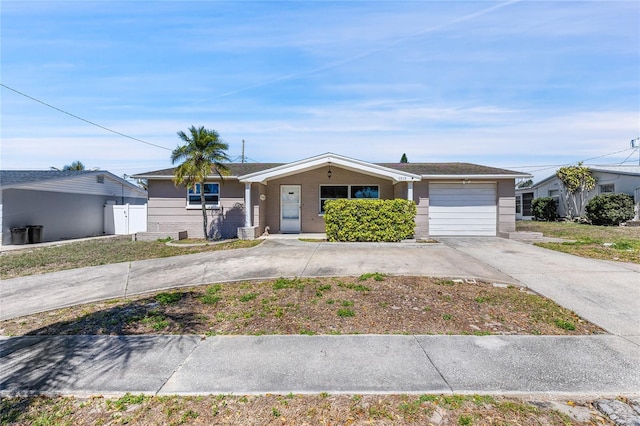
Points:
(605, 293)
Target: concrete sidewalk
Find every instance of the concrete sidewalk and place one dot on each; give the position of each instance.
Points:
(576, 366)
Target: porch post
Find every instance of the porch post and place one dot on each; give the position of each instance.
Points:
(410, 191)
(247, 204)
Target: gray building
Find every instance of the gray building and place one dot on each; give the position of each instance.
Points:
(67, 204)
(618, 179)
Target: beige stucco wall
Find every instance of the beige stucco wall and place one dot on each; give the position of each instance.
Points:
(167, 204)
(421, 197)
(167, 210)
(506, 206)
(311, 220)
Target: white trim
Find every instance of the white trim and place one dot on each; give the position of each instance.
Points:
(462, 177)
(191, 206)
(247, 204)
(329, 159)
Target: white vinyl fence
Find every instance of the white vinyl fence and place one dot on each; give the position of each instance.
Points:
(125, 219)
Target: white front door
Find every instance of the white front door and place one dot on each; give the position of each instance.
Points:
(290, 209)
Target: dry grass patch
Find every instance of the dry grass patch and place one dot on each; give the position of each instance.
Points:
(618, 243)
(291, 409)
(40, 260)
(370, 304)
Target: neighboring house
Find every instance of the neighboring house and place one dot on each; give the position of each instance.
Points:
(621, 179)
(68, 204)
(452, 198)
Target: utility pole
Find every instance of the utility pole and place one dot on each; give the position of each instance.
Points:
(635, 143)
(242, 160)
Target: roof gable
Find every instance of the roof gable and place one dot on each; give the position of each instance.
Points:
(330, 159)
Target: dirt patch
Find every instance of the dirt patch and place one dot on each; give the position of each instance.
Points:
(370, 304)
(292, 409)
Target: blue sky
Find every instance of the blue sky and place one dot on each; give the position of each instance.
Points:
(524, 85)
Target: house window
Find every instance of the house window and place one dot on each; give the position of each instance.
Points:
(100, 178)
(518, 204)
(555, 194)
(333, 192)
(609, 187)
(211, 195)
(527, 197)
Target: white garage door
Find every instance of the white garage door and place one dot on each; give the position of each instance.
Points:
(462, 209)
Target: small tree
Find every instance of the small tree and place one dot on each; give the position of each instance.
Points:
(610, 209)
(202, 152)
(404, 159)
(525, 184)
(576, 181)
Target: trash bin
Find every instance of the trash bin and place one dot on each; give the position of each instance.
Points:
(35, 233)
(19, 236)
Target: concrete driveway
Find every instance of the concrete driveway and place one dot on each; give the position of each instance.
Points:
(606, 293)
(271, 259)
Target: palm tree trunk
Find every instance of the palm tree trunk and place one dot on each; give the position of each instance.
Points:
(203, 203)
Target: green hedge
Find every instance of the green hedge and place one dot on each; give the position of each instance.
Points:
(369, 220)
(610, 209)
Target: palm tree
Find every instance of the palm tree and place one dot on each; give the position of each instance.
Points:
(76, 166)
(203, 151)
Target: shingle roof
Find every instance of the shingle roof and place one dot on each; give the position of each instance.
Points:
(236, 169)
(431, 169)
(18, 177)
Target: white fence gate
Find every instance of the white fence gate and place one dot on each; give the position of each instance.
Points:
(125, 219)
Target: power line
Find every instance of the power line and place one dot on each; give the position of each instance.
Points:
(551, 166)
(83, 119)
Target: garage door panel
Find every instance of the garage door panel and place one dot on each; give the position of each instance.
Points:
(462, 209)
(463, 232)
(463, 202)
(473, 221)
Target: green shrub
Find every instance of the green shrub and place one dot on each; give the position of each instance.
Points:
(610, 209)
(369, 220)
(544, 208)
(168, 298)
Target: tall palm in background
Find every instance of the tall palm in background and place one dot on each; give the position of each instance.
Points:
(76, 166)
(202, 154)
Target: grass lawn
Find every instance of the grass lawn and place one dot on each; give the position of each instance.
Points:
(102, 251)
(620, 243)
